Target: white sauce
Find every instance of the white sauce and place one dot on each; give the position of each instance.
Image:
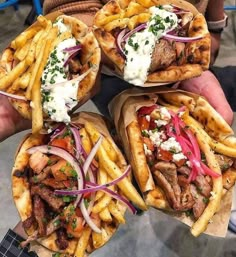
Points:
(140, 45)
(59, 99)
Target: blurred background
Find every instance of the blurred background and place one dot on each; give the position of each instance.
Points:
(152, 234)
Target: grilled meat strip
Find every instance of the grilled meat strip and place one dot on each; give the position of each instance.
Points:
(62, 241)
(39, 213)
(48, 195)
(163, 55)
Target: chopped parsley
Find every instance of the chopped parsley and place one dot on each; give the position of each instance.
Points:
(74, 223)
(145, 133)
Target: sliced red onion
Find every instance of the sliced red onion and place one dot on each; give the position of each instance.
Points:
(137, 29)
(119, 40)
(46, 149)
(78, 144)
(60, 130)
(17, 97)
(92, 154)
(88, 219)
(93, 189)
(182, 39)
(75, 80)
(72, 55)
(73, 48)
(116, 196)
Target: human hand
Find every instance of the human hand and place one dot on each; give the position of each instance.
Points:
(10, 120)
(208, 86)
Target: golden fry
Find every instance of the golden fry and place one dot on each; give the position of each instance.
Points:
(125, 185)
(115, 212)
(99, 239)
(201, 224)
(85, 140)
(94, 134)
(21, 40)
(102, 203)
(25, 78)
(108, 19)
(146, 3)
(134, 9)
(30, 57)
(6, 81)
(42, 21)
(83, 242)
(105, 215)
(21, 53)
(138, 19)
(40, 48)
(42, 38)
(37, 112)
(102, 179)
(120, 23)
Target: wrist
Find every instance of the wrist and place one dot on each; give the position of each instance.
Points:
(217, 26)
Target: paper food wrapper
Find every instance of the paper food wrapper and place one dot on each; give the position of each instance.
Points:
(123, 110)
(101, 125)
(97, 84)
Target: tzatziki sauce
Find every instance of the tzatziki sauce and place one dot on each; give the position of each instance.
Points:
(139, 47)
(59, 95)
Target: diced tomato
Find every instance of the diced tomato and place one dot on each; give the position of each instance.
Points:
(164, 155)
(143, 123)
(180, 162)
(75, 226)
(78, 212)
(152, 124)
(148, 142)
(65, 143)
(146, 110)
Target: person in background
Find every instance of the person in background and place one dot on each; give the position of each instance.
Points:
(206, 85)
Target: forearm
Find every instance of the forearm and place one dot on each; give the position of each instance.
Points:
(215, 10)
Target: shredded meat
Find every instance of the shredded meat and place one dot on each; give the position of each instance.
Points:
(41, 176)
(163, 55)
(170, 173)
(38, 162)
(62, 241)
(199, 205)
(39, 213)
(75, 65)
(184, 170)
(53, 183)
(48, 195)
(165, 185)
(229, 178)
(187, 200)
(224, 161)
(202, 185)
(28, 222)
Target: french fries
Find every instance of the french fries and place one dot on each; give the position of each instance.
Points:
(105, 160)
(83, 242)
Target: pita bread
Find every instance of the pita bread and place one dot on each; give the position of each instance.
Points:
(124, 111)
(203, 112)
(89, 56)
(22, 196)
(118, 13)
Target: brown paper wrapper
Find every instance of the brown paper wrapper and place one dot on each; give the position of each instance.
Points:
(103, 127)
(25, 109)
(123, 110)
